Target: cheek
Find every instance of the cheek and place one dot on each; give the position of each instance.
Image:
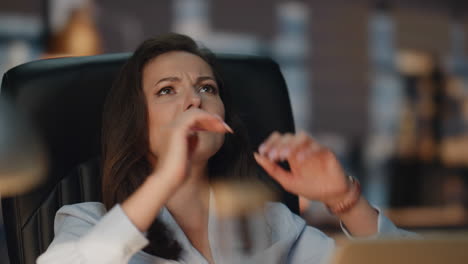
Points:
(161, 114)
(215, 107)
(210, 143)
(158, 117)
(219, 139)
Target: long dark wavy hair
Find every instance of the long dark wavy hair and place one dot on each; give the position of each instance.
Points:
(125, 141)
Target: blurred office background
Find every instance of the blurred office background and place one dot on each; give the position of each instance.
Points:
(382, 83)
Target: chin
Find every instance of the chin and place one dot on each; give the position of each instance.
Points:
(208, 145)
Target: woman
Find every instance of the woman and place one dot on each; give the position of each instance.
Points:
(168, 131)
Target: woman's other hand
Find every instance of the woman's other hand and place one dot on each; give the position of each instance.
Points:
(315, 172)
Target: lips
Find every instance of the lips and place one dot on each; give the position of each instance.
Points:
(192, 143)
(197, 129)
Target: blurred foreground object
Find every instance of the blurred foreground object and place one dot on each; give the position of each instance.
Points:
(242, 228)
(22, 157)
(437, 217)
(240, 198)
(73, 30)
(447, 249)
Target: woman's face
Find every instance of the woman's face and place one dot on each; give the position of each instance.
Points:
(174, 82)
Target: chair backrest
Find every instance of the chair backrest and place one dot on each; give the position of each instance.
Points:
(64, 98)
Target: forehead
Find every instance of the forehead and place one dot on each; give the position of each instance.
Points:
(175, 63)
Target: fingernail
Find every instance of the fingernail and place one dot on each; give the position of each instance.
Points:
(284, 153)
(228, 128)
(272, 155)
(262, 149)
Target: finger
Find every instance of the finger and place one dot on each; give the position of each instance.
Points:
(192, 141)
(199, 120)
(266, 146)
(176, 151)
(213, 125)
(283, 147)
(274, 170)
(189, 124)
(301, 140)
(306, 152)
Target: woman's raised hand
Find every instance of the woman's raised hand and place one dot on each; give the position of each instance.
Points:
(175, 145)
(315, 172)
(178, 140)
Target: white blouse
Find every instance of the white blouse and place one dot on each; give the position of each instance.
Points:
(87, 233)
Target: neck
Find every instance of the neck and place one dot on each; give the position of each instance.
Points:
(189, 206)
(192, 198)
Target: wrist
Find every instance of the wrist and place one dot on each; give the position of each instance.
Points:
(348, 200)
(361, 220)
(143, 206)
(162, 181)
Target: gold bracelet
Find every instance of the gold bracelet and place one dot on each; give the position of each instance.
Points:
(349, 201)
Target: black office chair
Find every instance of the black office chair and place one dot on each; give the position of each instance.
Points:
(64, 99)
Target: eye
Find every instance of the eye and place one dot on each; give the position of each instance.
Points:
(208, 88)
(165, 90)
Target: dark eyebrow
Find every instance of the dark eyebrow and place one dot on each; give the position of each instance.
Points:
(204, 78)
(177, 79)
(168, 79)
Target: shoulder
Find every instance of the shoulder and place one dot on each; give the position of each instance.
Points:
(282, 221)
(279, 214)
(91, 211)
(88, 213)
(304, 244)
(285, 223)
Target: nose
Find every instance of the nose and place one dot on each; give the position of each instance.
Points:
(193, 100)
